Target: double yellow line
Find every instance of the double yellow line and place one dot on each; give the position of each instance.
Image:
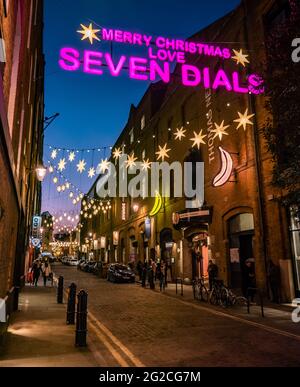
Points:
(118, 350)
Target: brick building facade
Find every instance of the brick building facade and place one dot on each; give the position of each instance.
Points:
(21, 131)
(242, 218)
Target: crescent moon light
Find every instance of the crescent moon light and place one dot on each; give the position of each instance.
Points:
(226, 169)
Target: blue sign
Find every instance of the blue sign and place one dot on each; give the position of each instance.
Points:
(148, 228)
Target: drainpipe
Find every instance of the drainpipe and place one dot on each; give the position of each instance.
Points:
(258, 162)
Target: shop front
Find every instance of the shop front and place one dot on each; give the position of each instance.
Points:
(194, 225)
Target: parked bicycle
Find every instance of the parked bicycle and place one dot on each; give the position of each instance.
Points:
(221, 295)
(218, 294)
(200, 290)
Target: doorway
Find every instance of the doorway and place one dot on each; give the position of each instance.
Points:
(241, 233)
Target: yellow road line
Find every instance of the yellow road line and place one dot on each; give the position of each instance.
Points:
(117, 342)
(111, 349)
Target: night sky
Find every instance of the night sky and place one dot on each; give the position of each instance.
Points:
(93, 110)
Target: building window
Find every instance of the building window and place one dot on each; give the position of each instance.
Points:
(5, 7)
(2, 53)
(131, 136)
(143, 122)
(295, 240)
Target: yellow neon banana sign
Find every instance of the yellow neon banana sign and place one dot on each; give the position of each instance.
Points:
(157, 205)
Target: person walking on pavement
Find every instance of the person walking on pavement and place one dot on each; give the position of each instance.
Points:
(151, 274)
(274, 281)
(139, 268)
(162, 282)
(144, 274)
(36, 273)
(213, 272)
(46, 269)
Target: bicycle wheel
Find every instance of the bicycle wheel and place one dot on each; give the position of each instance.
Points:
(224, 297)
(213, 298)
(204, 295)
(242, 301)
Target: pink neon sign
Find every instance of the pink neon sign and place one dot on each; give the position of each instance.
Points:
(162, 52)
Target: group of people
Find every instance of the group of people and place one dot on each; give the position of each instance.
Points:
(153, 271)
(37, 269)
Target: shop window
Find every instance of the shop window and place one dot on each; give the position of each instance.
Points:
(295, 241)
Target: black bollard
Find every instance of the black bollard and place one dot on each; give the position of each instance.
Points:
(60, 290)
(81, 319)
(71, 304)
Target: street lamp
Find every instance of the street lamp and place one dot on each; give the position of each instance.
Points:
(41, 172)
(135, 208)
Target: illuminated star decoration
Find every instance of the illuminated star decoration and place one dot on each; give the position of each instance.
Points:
(198, 139)
(117, 153)
(89, 33)
(54, 154)
(244, 120)
(81, 166)
(131, 161)
(163, 153)
(179, 134)
(51, 169)
(61, 165)
(241, 58)
(220, 131)
(72, 156)
(103, 166)
(92, 172)
(146, 165)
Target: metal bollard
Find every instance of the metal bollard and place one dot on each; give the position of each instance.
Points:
(81, 319)
(60, 290)
(71, 304)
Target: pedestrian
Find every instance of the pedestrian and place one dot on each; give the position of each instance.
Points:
(162, 282)
(273, 274)
(213, 272)
(151, 274)
(158, 271)
(139, 268)
(46, 269)
(36, 269)
(249, 283)
(144, 274)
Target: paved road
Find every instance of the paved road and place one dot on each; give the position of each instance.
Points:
(132, 326)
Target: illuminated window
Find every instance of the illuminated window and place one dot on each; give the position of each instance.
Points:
(131, 136)
(144, 154)
(143, 122)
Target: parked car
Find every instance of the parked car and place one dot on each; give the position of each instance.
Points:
(80, 262)
(46, 256)
(120, 273)
(89, 266)
(73, 262)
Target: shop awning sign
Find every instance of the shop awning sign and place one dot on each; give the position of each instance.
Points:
(189, 218)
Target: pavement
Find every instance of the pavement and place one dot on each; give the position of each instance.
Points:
(38, 335)
(132, 326)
